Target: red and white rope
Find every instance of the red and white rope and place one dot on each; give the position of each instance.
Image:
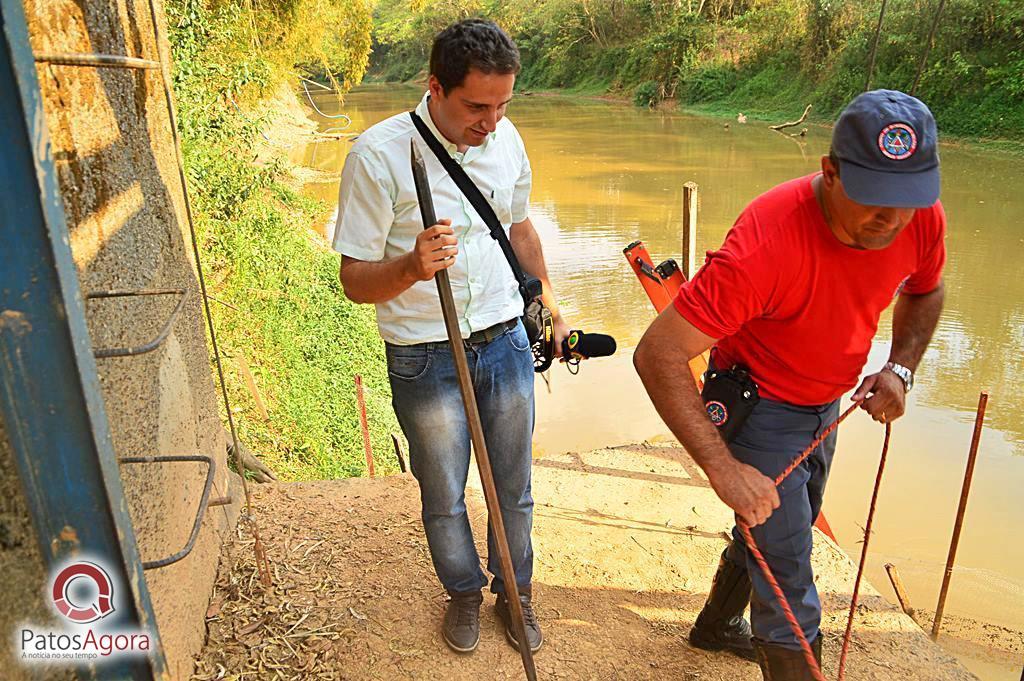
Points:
(759, 558)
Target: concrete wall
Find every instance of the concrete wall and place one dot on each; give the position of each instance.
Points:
(117, 168)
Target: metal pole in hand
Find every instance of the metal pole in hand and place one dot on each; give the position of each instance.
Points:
(979, 421)
(476, 431)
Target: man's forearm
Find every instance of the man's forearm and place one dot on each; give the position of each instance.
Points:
(376, 282)
(662, 360)
(913, 323)
(530, 254)
(666, 376)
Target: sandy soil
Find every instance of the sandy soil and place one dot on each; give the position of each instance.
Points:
(626, 542)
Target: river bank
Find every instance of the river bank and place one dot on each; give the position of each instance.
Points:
(293, 344)
(626, 541)
(961, 56)
(607, 173)
(728, 113)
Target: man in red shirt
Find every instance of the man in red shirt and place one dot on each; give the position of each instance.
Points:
(794, 295)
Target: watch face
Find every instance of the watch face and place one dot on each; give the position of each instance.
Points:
(905, 374)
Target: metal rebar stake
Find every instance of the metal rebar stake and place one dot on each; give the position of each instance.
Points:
(165, 330)
(204, 501)
(115, 61)
(972, 457)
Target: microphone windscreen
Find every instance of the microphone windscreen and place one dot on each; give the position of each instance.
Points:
(590, 344)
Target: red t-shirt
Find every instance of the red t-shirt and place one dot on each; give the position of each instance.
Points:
(786, 298)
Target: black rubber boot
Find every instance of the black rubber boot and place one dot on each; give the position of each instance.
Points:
(720, 625)
(533, 633)
(461, 626)
(785, 664)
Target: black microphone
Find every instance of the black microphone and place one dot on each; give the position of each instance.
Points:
(578, 345)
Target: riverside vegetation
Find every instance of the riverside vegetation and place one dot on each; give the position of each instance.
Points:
(288, 317)
(766, 58)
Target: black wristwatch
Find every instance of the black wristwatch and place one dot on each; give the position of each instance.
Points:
(905, 374)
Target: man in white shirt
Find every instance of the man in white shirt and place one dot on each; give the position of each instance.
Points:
(389, 259)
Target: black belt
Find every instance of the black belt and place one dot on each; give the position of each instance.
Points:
(490, 333)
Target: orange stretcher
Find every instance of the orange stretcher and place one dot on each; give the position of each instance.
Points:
(661, 283)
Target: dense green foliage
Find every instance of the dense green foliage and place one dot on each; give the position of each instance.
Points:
(285, 312)
(762, 57)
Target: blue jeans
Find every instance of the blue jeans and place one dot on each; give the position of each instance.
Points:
(774, 434)
(427, 401)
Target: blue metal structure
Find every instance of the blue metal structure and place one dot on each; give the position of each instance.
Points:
(50, 398)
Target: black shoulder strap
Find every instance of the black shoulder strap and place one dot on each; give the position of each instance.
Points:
(466, 185)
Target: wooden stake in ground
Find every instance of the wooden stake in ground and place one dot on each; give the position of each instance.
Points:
(398, 452)
(250, 382)
(364, 425)
(476, 431)
(901, 591)
(972, 456)
(689, 229)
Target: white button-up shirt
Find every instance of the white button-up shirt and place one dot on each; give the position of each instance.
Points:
(379, 218)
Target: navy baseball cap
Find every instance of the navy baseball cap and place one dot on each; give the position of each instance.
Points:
(888, 153)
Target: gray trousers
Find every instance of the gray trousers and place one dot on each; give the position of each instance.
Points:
(774, 434)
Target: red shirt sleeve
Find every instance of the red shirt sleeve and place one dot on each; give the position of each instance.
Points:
(932, 252)
(729, 290)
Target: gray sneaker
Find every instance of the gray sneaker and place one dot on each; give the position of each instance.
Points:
(533, 633)
(461, 626)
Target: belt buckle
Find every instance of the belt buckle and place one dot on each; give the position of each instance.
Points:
(489, 334)
(475, 338)
(499, 329)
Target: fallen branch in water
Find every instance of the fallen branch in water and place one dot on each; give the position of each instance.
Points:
(792, 123)
(333, 135)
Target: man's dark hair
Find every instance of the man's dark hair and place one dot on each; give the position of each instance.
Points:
(471, 44)
(832, 156)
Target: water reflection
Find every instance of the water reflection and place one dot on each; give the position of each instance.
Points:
(606, 174)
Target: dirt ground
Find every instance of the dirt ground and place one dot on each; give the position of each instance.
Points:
(626, 541)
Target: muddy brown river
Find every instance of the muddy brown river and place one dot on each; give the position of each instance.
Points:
(606, 174)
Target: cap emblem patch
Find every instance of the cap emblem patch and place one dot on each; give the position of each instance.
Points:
(897, 141)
